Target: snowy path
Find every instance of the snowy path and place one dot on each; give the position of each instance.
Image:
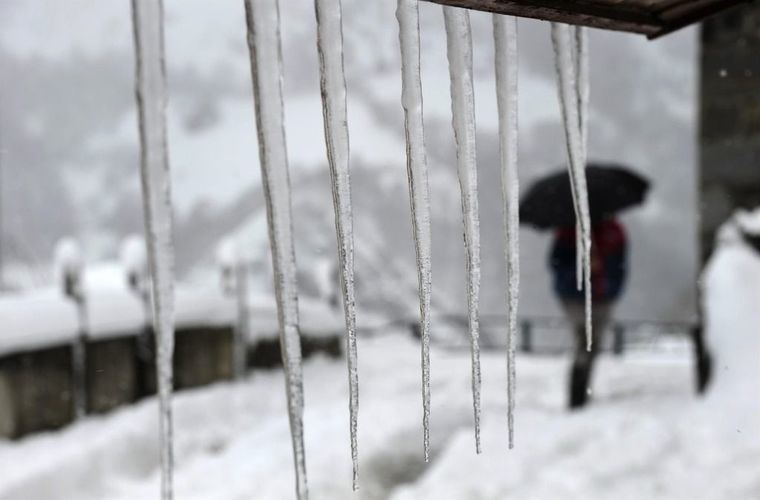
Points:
(646, 436)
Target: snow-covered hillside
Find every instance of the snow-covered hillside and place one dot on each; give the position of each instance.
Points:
(70, 137)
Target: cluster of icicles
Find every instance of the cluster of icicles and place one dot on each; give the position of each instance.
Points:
(263, 21)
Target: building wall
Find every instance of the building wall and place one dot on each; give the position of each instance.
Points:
(730, 117)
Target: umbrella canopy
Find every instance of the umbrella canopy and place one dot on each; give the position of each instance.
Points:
(611, 189)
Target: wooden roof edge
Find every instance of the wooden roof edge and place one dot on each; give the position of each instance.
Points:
(618, 17)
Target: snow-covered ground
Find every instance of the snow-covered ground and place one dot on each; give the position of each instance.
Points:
(645, 436)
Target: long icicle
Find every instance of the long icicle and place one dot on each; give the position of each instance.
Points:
(567, 77)
(407, 14)
(583, 91)
(505, 43)
(263, 20)
(334, 110)
(580, 61)
(148, 25)
(459, 50)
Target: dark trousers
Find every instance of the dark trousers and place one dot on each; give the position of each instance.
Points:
(583, 359)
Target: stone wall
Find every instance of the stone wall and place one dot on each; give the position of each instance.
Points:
(730, 117)
(36, 386)
(35, 391)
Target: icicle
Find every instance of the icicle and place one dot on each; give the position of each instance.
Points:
(583, 86)
(459, 50)
(583, 90)
(407, 14)
(580, 58)
(263, 20)
(148, 23)
(567, 77)
(505, 43)
(333, 86)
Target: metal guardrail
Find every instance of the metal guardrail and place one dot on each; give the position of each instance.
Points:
(626, 333)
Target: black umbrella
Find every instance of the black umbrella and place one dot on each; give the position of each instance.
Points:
(611, 189)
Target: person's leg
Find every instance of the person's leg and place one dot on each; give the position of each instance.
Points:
(583, 362)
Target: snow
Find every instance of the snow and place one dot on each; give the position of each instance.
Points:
(46, 318)
(407, 14)
(506, 62)
(731, 286)
(32, 321)
(133, 255)
(316, 318)
(459, 50)
(263, 21)
(67, 257)
(333, 87)
(645, 436)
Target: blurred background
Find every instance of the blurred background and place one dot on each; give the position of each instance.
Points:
(681, 111)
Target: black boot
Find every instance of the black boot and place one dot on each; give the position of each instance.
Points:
(579, 379)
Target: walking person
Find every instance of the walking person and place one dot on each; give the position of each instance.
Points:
(549, 205)
(609, 259)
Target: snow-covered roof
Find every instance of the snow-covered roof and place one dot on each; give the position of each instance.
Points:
(35, 320)
(316, 318)
(46, 317)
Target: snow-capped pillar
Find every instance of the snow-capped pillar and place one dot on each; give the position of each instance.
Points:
(151, 93)
(263, 20)
(233, 269)
(70, 270)
(134, 261)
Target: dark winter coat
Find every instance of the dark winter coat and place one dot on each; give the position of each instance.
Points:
(608, 262)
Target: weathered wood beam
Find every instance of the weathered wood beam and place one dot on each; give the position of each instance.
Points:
(652, 18)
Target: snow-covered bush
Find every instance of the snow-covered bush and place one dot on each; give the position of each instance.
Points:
(731, 295)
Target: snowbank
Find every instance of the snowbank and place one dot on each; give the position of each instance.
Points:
(645, 436)
(731, 294)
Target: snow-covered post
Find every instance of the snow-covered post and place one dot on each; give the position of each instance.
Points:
(234, 280)
(407, 13)
(459, 51)
(335, 113)
(69, 267)
(148, 25)
(134, 261)
(506, 61)
(263, 20)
